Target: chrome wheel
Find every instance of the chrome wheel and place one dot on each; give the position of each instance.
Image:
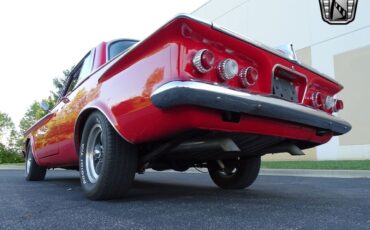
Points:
(228, 169)
(94, 153)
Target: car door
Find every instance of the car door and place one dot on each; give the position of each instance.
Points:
(45, 138)
(73, 103)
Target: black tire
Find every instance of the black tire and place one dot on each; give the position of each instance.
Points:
(237, 174)
(113, 160)
(33, 172)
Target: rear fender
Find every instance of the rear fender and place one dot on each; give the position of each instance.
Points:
(84, 114)
(30, 140)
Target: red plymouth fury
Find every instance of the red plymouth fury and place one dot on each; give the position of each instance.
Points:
(192, 94)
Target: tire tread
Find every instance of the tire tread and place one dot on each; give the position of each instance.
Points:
(244, 177)
(36, 172)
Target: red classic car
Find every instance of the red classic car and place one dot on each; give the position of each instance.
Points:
(192, 94)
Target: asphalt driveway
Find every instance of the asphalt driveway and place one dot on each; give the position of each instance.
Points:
(186, 201)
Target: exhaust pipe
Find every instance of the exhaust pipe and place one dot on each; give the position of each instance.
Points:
(284, 147)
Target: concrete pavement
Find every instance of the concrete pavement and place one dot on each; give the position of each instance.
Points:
(185, 201)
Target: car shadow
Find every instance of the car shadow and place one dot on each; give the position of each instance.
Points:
(174, 186)
(154, 190)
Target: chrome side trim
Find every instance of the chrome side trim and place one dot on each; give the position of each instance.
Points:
(177, 93)
(29, 130)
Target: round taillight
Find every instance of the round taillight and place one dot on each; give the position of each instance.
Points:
(338, 105)
(317, 100)
(203, 60)
(248, 76)
(228, 69)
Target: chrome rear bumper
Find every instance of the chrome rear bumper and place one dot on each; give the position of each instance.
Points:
(178, 93)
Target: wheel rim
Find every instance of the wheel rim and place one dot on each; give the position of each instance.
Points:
(94, 153)
(228, 170)
(28, 162)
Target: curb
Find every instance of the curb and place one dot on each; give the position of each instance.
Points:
(20, 167)
(296, 172)
(316, 173)
(11, 167)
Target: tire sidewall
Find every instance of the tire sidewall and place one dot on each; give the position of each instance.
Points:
(29, 155)
(35, 172)
(87, 186)
(245, 175)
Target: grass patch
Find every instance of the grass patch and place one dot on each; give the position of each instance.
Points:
(349, 165)
(8, 155)
(6, 158)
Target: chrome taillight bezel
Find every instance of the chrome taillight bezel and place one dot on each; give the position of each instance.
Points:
(329, 103)
(245, 79)
(338, 105)
(316, 100)
(197, 61)
(227, 69)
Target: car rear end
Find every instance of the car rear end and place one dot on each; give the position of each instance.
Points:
(238, 88)
(196, 95)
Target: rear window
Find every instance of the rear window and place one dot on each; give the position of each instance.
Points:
(118, 47)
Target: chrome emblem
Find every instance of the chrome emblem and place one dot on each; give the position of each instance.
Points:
(338, 12)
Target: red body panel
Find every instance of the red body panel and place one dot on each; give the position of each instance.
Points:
(121, 89)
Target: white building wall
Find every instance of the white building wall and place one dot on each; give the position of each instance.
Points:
(275, 22)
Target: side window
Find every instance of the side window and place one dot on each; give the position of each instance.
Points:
(118, 47)
(81, 71)
(85, 69)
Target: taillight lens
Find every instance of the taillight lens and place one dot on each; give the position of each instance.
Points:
(338, 105)
(228, 69)
(248, 76)
(203, 60)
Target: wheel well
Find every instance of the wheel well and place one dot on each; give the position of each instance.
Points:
(80, 123)
(25, 146)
